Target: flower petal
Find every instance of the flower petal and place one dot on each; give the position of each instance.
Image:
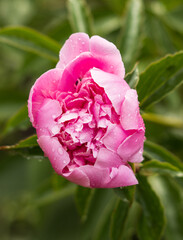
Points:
(114, 86)
(137, 157)
(108, 159)
(121, 177)
(45, 118)
(130, 116)
(78, 176)
(108, 54)
(96, 177)
(58, 157)
(48, 82)
(113, 137)
(131, 145)
(76, 70)
(73, 47)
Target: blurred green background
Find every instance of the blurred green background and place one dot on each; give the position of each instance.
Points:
(35, 203)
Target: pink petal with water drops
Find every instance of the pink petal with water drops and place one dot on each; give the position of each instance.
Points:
(114, 132)
(73, 47)
(52, 148)
(108, 54)
(46, 84)
(45, 118)
(107, 159)
(131, 145)
(122, 176)
(130, 111)
(114, 86)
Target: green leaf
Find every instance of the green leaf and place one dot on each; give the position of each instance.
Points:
(120, 213)
(155, 151)
(30, 40)
(171, 196)
(130, 40)
(83, 198)
(107, 24)
(20, 119)
(168, 121)
(118, 219)
(26, 143)
(80, 16)
(103, 225)
(125, 193)
(160, 78)
(156, 166)
(152, 222)
(132, 77)
(53, 196)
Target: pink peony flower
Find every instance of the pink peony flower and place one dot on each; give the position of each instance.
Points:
(86, 116)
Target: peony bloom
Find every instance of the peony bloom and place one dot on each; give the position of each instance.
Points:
(86, 116)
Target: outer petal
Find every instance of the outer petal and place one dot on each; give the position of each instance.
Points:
(73, 47)
(45, 118)
(96, 177)
(58, 157)
(121, 177)
(89, 176)
(107, 53)
(76, 70)
(108, 159)
(131, 145)
(114, 86)
(48, 82)
(102, 50)
(113, 137)
(130, 116)
(137, 157)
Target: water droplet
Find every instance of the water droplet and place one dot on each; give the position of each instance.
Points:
(83, 43)
(64, 162)
(79, 39)
(53, 116)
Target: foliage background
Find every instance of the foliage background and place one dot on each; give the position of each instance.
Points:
(35, 203)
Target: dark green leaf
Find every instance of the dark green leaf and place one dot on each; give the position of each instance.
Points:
(118, 219)
(53, 196)
(103, 224)
(99, 205)
(160, 78)
(171, 196)
(83, 200)
(152, 222)
(31, 41)
(132, 77)
(20, 119)
(155, 151)
(156, 166)
(125, 193)
(120, 213)
(80, 16)
(130, 41)
(26, 143)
